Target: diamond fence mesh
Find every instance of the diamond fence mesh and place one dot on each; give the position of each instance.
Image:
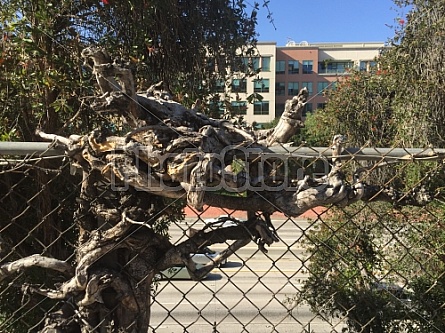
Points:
(368, 267)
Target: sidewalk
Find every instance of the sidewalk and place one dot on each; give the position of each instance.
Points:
(211, 212)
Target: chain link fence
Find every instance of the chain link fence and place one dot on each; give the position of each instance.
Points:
(369, 267)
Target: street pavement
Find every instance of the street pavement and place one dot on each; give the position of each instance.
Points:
(254, 292)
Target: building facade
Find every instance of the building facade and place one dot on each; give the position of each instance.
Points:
(283, 71)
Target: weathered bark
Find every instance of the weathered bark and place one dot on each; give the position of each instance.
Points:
(173, 152)
(120, 297)
(35, 260)
(290, 121)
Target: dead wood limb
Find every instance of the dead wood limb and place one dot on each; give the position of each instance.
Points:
(255, 230)
(198, 274)
(290, 121)
(416, 197)
(187, 171)
(101, 279)
(35, 260)
(50, 293)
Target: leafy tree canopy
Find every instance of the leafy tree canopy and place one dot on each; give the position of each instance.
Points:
(187, 44)
(402, 100)
(400, 103)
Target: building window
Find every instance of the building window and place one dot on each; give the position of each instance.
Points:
(280, 88)
(307, 85)
(292, 67)
(322, 87)
(292, 88)
(334, 67)
(216, 108)
(239, 107)
(220, 86)
(307, 108)
(221, 62)
(280, 67)
(256, 63)
(245, 63)
(261, 85)
(241, 64)
(279, 109)
(321, 106)
(367, 66)
(239, 85)
(261, 108)
(265, 64)
(307, 66)
(211, 65)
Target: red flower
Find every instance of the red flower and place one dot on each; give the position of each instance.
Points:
(401, 21)
(105, 2)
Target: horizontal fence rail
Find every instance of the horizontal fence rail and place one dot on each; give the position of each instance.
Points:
(29, 148)
(366, 154)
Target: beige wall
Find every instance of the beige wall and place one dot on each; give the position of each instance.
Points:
(318, 52)
(266, 49)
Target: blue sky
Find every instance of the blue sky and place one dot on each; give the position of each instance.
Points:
(329, 21)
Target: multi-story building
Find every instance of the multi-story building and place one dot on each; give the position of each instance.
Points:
(287, 69)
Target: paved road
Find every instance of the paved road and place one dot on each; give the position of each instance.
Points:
(252, 293)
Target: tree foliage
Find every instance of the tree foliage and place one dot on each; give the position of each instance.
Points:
(415, 61)
(350, 284)
(402, 99)
(399, 103)
(187, 44)
(383, 274)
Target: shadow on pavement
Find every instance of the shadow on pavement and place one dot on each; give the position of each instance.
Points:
(213, 277)
(231, 264)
